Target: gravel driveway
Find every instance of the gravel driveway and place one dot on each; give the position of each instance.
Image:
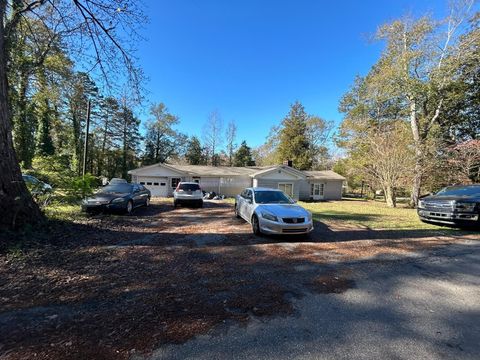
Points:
(119, 287)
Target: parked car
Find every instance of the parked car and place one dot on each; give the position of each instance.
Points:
(117, 181)
(118, 197)
(270, 211)
(35, 186)
(457, 205)
(188, 193)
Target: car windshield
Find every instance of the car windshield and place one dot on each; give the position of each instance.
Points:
(189, 187)
(116, 188)
(461, 191)
(271, 197)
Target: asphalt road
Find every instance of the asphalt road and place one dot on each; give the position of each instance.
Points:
(412, 308)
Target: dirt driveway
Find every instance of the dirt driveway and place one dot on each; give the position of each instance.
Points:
(108, 287)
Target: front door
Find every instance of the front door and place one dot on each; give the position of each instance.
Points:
(317, 191)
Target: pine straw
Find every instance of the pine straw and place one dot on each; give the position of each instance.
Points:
(108, 286)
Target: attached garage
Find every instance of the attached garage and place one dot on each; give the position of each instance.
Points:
(158, 186)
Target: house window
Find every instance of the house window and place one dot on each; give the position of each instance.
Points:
(287, 188)
(156, 184)
(196, 179)
(316, 189)
(163, 184)
(142, 182)
(175, 182)
(149, 183)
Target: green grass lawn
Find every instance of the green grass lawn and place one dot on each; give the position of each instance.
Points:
(369, 214)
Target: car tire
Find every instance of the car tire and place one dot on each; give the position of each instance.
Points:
(129, 207)
(200, 204)
(256, 226)
(147, 202)
(175, 204)
(235, 210)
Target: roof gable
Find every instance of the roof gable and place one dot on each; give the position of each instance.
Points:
(281, 169)
(157, 170)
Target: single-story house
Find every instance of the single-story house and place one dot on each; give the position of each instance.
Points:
(161, 179)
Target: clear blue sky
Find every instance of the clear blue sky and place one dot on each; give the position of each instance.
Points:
(251, 59)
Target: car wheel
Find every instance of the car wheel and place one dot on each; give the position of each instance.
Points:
(175, 204)
(200, 204)
(256, 225)
(129, 208)
(237, 215)
(147, 202)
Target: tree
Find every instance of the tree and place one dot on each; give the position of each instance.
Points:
(195, 153)
(416, 67)
(318, 133)
(107, 130)
(230, 136)
(103, 23)
(162, 141)
(212, 136)
(388, 159)
(293, 141)
(130, 138)
(243, 156)
(82, 89)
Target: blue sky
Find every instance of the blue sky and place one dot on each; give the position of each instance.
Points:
(251, 59)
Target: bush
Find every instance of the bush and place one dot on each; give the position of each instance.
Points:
(67, 185)
(82, 186)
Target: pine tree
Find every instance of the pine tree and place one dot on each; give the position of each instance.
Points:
(294, 144)
(195, 152)
(243, 156)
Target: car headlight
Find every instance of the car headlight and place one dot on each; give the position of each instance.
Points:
(421, 204)
(269, 216)
(465, 206)
(118, 200)
(309, 216)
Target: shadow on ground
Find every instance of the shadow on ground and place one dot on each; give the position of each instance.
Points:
(103, 286)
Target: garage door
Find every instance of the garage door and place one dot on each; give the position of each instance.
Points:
(157, 186)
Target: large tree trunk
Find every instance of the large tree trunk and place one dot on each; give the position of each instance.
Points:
(17, 207)
(390, 196)
(418, 170)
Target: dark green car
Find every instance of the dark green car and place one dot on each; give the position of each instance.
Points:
(118, 197)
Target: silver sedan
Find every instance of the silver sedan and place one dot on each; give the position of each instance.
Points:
(270, 211)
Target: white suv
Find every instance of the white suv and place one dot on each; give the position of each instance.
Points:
(188, 193)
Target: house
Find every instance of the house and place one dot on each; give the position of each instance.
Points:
(161, 179)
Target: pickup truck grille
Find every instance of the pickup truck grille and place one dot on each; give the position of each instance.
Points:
(293, 220)
(439, 205)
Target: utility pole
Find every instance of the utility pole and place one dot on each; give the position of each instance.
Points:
(85, 146)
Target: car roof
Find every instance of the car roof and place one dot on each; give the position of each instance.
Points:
(188, 182)
(263, 189)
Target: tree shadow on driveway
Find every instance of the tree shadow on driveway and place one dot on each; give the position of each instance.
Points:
(104, 286)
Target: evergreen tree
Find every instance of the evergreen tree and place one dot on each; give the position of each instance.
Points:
(195, 153)
(130, 138)
(162, 141)
(294, 141)
(243, 156)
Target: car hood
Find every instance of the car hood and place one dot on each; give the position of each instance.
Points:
(107, 197)
(471, 198)
(284, 210)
